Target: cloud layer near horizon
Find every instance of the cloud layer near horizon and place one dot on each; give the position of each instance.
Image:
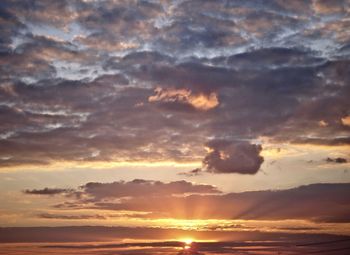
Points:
(91, 81)
(184, 200)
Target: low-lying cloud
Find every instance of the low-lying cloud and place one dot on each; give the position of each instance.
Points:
(183, 200)
(144, 188)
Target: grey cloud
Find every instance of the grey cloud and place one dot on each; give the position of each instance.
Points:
(233, 157)
(297, 203)
(10, 27)
(58, 14)
(142, 188)
(194, 172)
(324, 141)
(273, 58)
(98, 233)
(336, 160)
(47, 191)
(128, 20)
(301, 203)
(116, 79)
(71, 217)
(84, 85)
(44, 116)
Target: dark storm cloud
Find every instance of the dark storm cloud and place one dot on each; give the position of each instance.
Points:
(88, 81)
(301, 203)
(233, 157)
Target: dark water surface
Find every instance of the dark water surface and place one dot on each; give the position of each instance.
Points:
(332, 247)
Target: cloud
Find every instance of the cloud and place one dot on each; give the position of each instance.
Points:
(144, 188)
(346, 121)
(325, 7)
(71, 217)
(194, 172)
(186, 98)
(184, 200)
(177, 71)
(300, 203)
(135, 188)
(47, 191)
(336, 160)
(233, 157)
(272, 58)
(323, 141)
(114, 234)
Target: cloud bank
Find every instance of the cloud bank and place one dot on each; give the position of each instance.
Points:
(184, 200)
(111, 81)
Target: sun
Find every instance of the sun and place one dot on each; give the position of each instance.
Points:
(187, 241)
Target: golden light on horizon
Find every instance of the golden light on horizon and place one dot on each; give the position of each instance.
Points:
(187, 241)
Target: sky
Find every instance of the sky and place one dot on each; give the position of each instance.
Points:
(227, 116)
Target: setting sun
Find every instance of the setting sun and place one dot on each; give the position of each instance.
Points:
(187, 241)
(187, 244)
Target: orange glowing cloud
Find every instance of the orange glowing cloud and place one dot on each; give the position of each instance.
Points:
(199, 101)
(322, 123)
(346, 121)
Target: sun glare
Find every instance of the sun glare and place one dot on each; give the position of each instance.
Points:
(187, 241)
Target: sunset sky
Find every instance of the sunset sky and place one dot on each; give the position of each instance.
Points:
(200, 119)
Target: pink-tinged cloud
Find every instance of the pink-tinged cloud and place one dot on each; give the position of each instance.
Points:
(184, 97)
